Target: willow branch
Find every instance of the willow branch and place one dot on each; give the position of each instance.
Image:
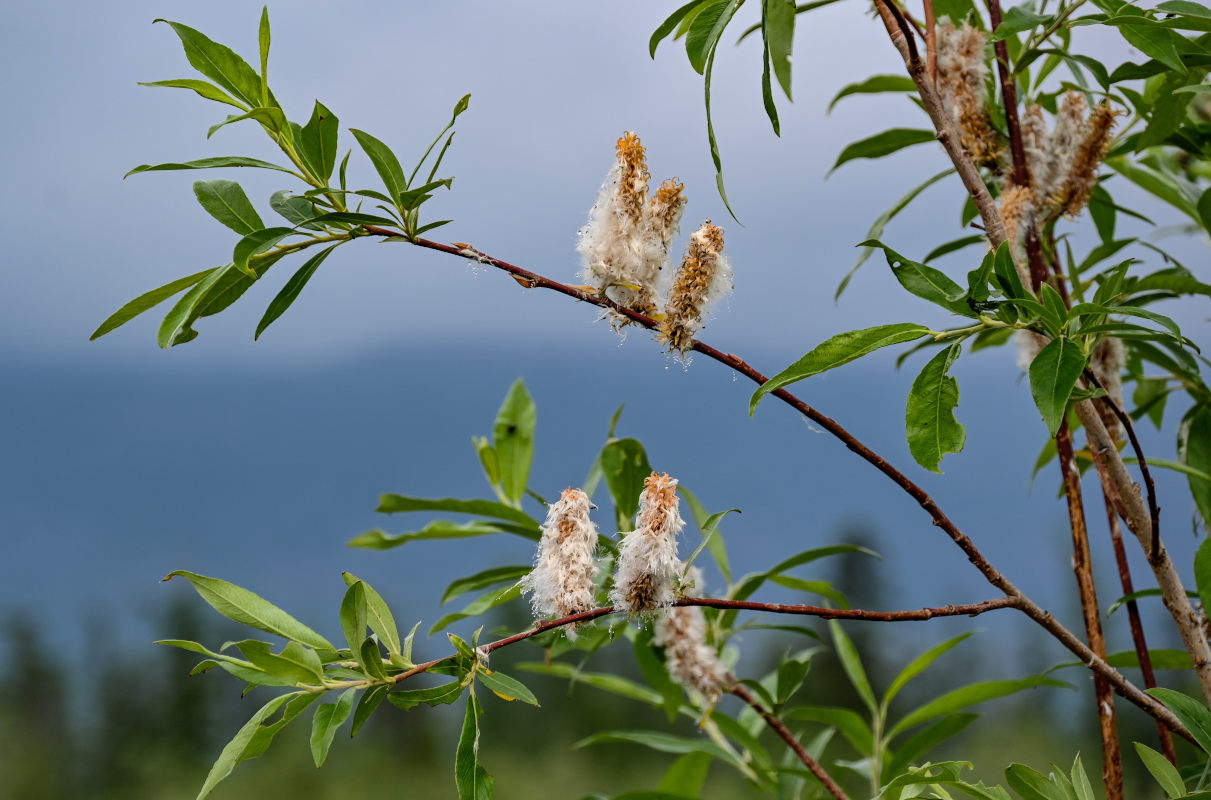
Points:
(776, 725)
(1154, 510)
(1138, 639)
(1112, 765)
(931, 43)
(1042, 617)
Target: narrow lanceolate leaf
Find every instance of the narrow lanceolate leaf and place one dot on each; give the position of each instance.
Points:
(1031, 784)
(472, 780)
(840, 349)
(705, 30)
(779, 32)
(445, 694)
(885, 143)
(353, 616)
(673, 20)
(925, 281)
(1192, 713)
(328, 717)
(1165, 773)
(185, 308)
(378, 539)
(232, 753)
(291, 290)
(966, 696)
(219, 63)
(929, 419)
(513, 440)
(398, 503)
(319, 140)
(624, 462)
(378, 615)
(384, 161)
(852, 664)
(507, 688)
(146, 301)
(263, 38)
(208, 163)
(1053, 375)
(243, 606)
(366, 706)
(876, 84)
(207, 90)
(226, 202)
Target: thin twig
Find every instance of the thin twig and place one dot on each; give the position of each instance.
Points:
(776, 725)
(1154, 510)
(931, 42)
(1133, 611)
(1044, 618)
(1112, 765)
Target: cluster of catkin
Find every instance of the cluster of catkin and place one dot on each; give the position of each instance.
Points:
(647, 578)
(625, 250)
(961, 83)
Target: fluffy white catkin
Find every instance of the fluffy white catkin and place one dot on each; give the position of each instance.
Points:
(646, 578)
(562, 580)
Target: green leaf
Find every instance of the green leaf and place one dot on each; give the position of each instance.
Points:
(852, 726)
(318, 142)
(263, 37)
(328, 717)
(673, 20)
(292, 289)
(713, 543)
(1016, 20)
(219, 63)
(921, 743)
(485, 602)
(1153, 42)
(662, 742)
(1194, 449)
(708, 529)
(506, 688)
(1032, 784)
(705, 30)
(625, 465)
(924, 281)
(445, 694)
(397, 503)
(146, 301)
(1161, 658)
(353, 616)
(472, 780)
(1157, 183)
(1053, 375)
(929, 419)
(779, 32)
(207, 90)
(247, 608)
(952, 246)
(378, 615)
(513, 440)
(232, 753)
(606, 682)
(226, 202)
(439, 529)
(263, 737)
(840, 349)
(384, 161)
(877, 227)
(208, 163)
(970, 695)
(876, 84)
(851, 662)
(367, 705)
(1165, 773)
(272, 119)
(885, 143)
(686, 777)
(255, 243)
(295, 663)
(712, 142)
(920, 664)
(480, 580)
(767, 89)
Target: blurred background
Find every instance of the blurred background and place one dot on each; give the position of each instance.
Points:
(257, 462)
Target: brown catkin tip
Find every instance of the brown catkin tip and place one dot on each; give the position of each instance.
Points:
(1090, 150)
(634, 179)
(703, 277)
(666, 208)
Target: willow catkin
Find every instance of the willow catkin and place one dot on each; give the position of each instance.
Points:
(690, 659)
(646, 576)
(962, 71)
(703, 277)
(561, 582)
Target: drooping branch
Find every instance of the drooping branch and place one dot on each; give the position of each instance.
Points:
(776, 725)
(1042, 617)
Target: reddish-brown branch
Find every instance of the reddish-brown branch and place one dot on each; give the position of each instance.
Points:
(776, 725)
(532, 280)
(1112, 767)
(1133, 612)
